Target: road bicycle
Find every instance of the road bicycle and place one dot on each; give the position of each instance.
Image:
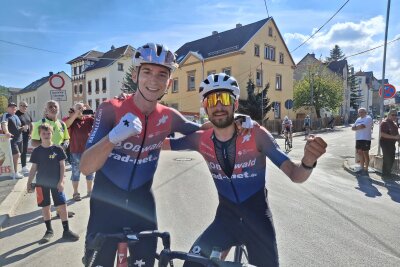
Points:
(125, 239)
(241, 255)
(288, 143)
(167, 255)
(307, 131)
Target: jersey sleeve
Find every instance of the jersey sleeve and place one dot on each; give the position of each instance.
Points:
(34, 157)
(35, 131)
(103, 123)
(268, 146)
(188, 142)
(182, 125)
(61, 154)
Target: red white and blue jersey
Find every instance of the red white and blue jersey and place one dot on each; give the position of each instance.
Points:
(248, 175)
(133, 162)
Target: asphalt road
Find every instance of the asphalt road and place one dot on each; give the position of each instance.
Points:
(333, 219)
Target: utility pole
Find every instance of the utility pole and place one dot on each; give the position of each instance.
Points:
(383, 71)
(262, 96)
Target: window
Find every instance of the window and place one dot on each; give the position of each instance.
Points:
(89, 102)
(120, 67)
(104, 83)
(281, 60)
(89, 87)
(278, 82)
(75, 70)
(34, 114)
(97, 86)
(191, 81)
(175, 85)
(75, 89)
(80, 69)
(270, 31)
(259, 81)
(256, 50)
(277, 110)
(80, 89)
(33, 100)
(269, 52)
(97, 103)
(30, 100)
(211, 72)
(227, 71)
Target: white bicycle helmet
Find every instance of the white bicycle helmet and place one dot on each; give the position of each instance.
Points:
(155, 54)
(218, 82)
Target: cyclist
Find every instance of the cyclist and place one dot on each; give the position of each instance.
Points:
(237, 164)
(307, 124)
(123, 149)
(287, 128)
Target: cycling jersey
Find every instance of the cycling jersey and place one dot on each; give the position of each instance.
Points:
(248, 175)
(135, 159)
(287, 126)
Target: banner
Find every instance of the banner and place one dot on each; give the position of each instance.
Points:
(6, 161)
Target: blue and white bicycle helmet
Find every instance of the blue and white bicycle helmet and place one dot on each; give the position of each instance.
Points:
(218, 82)
(157, 54)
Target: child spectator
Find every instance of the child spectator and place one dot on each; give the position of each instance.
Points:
(48, 162)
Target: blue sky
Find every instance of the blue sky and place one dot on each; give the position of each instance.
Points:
(70, 28)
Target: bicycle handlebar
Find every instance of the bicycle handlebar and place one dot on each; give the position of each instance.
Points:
(166, 256)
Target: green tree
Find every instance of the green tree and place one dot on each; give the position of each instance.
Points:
(327, 90)
(257, 105)
(354, 97)
(128, 85)
(336, 54)
(4, 94)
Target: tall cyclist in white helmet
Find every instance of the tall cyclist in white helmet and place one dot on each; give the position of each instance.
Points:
(287, 129)
(123, 149)
(237, 164)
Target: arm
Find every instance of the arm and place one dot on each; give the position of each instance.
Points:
(60, 184)
(188, 142)
(32, 173)
(384, 128)
(35, 138)
(4, 127)
(95, 157)
(68, 122)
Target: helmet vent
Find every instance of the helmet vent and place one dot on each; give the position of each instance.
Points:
(215, 78)
(159, 50)
(206, 81)
(226, 78)
(234, 84)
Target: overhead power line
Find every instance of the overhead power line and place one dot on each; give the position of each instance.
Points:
(31, 47)
(265, 2)
(365, 51)
(321, 27)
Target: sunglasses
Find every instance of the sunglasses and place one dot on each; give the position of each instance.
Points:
(23, 106)
(225, 98)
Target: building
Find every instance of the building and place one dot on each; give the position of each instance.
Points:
(98, 76)
(341, 68)
(40, 91)
(255, 51)
(364, 83)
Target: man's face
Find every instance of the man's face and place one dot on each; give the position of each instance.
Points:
(45, 135)
(11, 110)
(52, 109)
(392, 116)
(220, 115)
(23, 107)
(153, 80)
(362, 113)
(79, 108)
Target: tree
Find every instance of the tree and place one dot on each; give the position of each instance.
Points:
(355, 98)
(128, 85)
(256, 105)
(4, 94)
(335, 54)
(327, 90)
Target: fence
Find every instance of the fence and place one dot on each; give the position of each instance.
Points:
(275, 126)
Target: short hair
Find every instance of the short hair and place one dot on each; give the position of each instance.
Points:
(51, 102)
(363, 109)
(45, 127)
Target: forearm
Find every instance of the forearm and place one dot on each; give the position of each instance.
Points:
(4, 127)
(69, 121)
(62, 172)
(95, 157)
(295, 171)
(388, 136)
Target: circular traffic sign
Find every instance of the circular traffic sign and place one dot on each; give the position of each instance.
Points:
(389, 91)
(289, 104)
(56, 81)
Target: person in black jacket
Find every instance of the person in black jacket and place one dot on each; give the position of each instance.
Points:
(25, 119)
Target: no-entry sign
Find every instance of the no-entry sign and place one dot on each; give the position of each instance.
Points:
(56, 81)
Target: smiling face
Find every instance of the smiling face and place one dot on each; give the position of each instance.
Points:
(153, 81)
(51, 109)
(220, 115)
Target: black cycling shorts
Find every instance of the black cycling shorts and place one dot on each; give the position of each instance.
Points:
(249, 223)
(43, 196)
(111, 209)
(364, 145)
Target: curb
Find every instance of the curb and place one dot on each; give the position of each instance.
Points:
(373, 180)
(7, 207)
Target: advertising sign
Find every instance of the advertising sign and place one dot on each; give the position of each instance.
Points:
(6, 162)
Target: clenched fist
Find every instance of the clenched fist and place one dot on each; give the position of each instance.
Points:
(129, 125)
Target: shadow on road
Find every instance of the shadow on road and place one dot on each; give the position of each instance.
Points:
(365, 185)
(393, 191)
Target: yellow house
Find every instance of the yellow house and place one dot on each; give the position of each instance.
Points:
(255, 51)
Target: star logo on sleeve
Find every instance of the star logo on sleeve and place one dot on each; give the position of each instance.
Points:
(139, 263)
(162, 120)
(126, 123)
(246, 138)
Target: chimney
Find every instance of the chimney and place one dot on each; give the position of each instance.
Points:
(112, 47)
(238, 25)
(50, 73)
(214, 32)
(313, 55)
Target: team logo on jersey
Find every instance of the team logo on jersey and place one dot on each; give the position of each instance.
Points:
(53, 155)
(140, 263)
(244, 151)
(162, 120)
(246, 138)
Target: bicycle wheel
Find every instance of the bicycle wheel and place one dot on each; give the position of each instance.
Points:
(241, 255)
(287, 147)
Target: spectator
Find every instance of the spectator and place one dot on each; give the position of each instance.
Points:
(79, 127)
(48, 164)
(25, 119)
(12, 127)
(389, 137)
(362, 127)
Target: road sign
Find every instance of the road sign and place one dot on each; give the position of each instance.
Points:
(56, 81)
(289, 104)
(389, 91)
(58, 95)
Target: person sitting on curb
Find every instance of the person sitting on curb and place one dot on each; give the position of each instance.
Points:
(48, 164)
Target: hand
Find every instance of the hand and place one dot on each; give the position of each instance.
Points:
(129, 125)
(9, 135)
(29, 187)
(60, 187)
(65, 144)
(122, 96)
(244, 124)
(314, 149)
